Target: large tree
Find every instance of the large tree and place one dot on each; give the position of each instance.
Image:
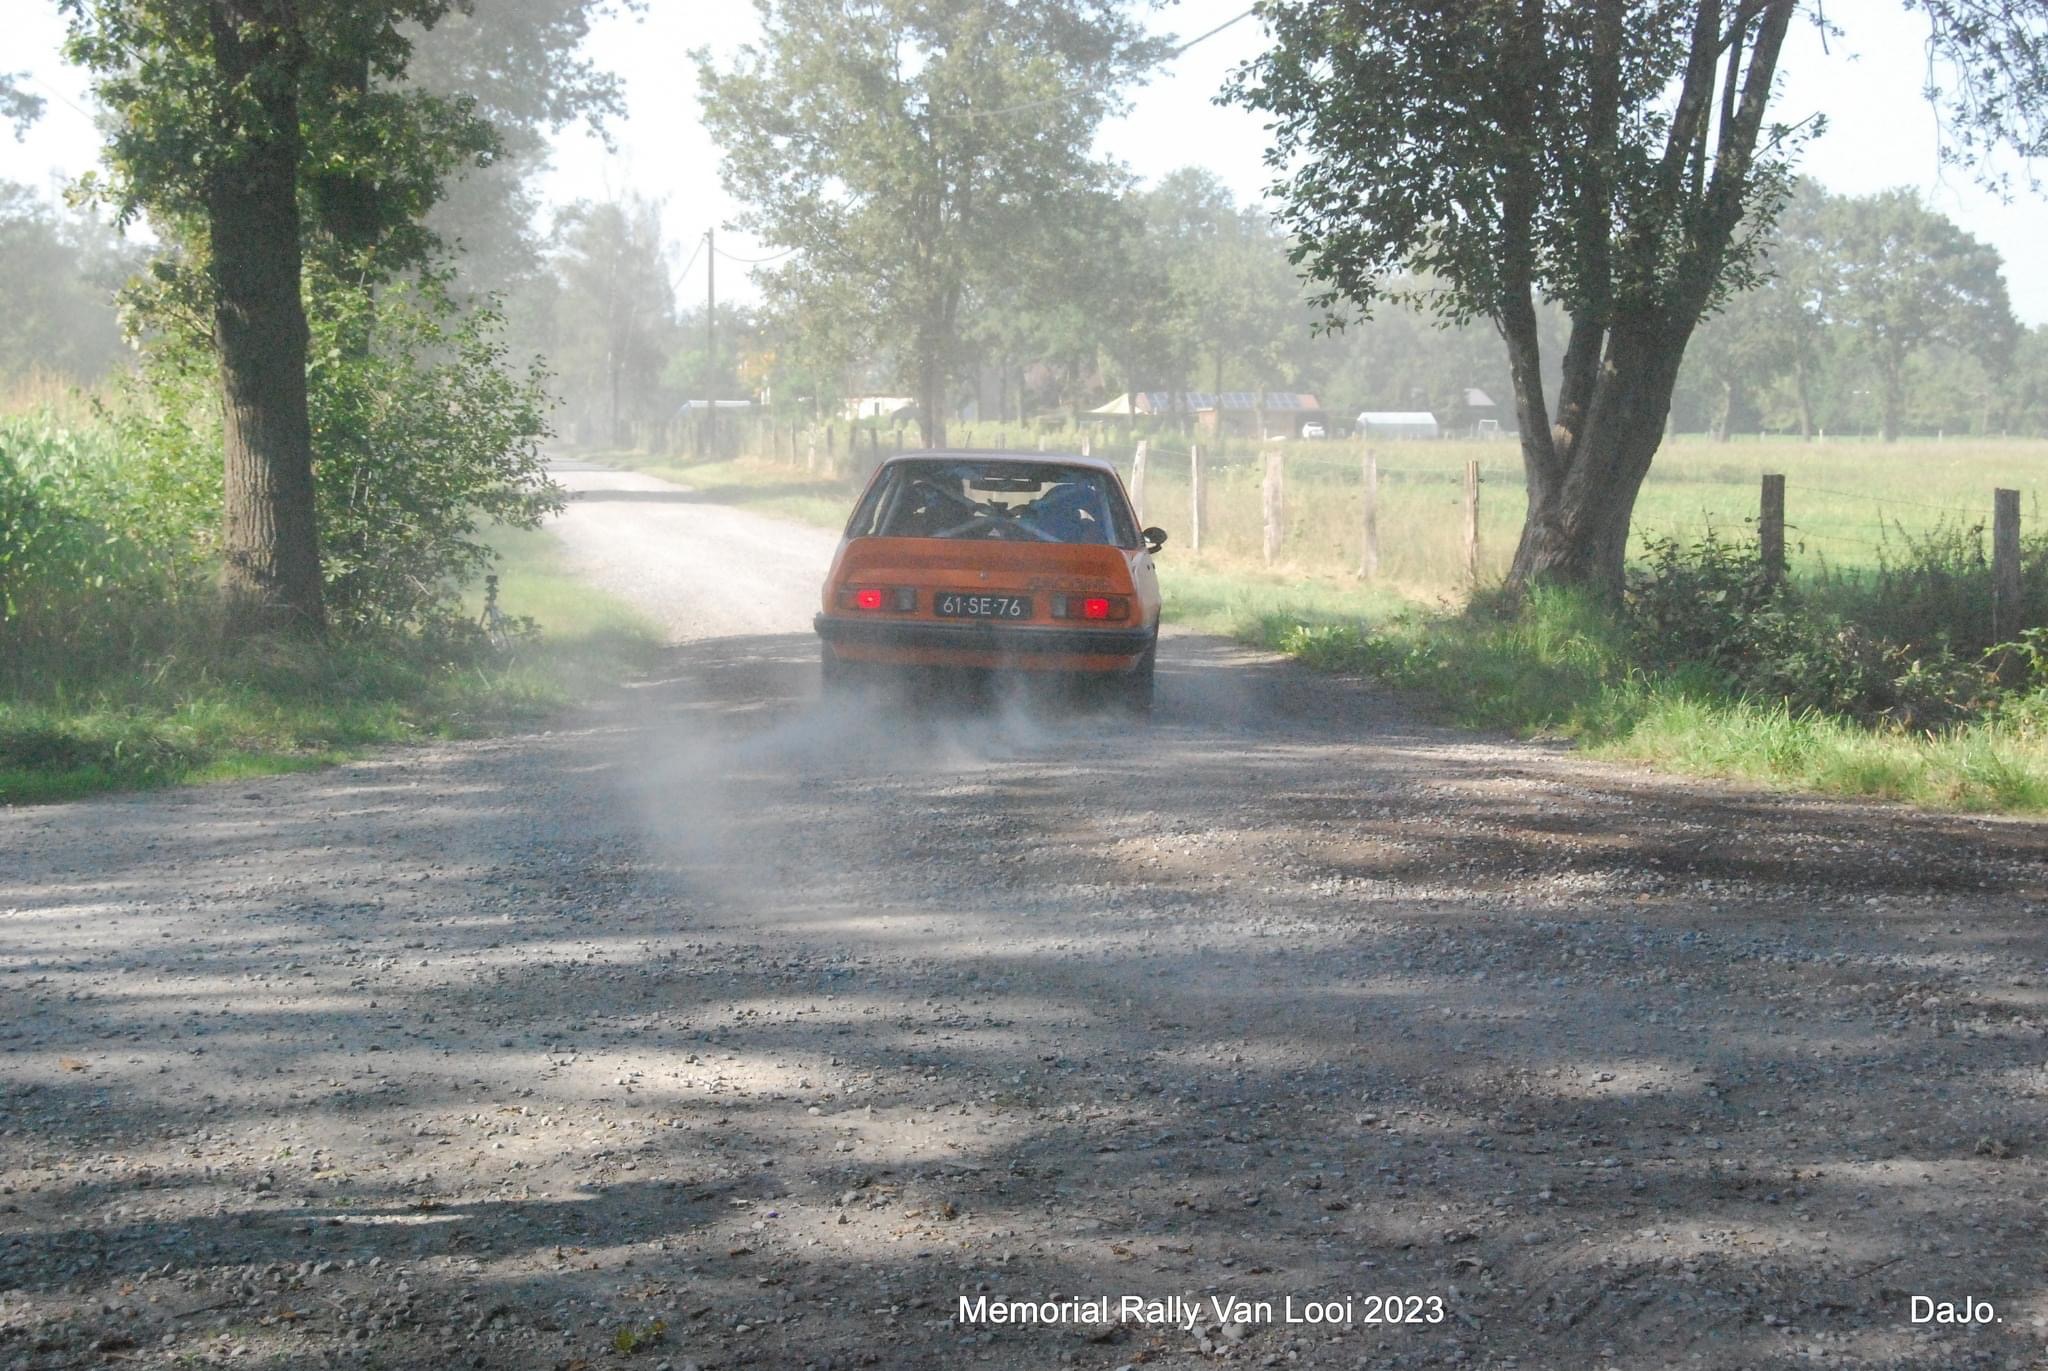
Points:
(1907, 279)
(250, 131)
(1615, 156)
(907, 149)
(615, 317)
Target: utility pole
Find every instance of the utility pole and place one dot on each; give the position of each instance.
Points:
(711, 341)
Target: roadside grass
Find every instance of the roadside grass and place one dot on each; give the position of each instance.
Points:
(193, 710)
(1239, 602)
(1561, 670)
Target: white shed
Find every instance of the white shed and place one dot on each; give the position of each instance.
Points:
(1398, 423)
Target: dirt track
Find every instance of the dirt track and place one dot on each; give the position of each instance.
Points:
(778, 1028)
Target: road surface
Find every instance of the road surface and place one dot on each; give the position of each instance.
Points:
(715, 1026)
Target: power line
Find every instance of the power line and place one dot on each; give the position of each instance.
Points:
(1212, 33)
(752, 261)
(1063, 96)
(62, 98)
(676, 284)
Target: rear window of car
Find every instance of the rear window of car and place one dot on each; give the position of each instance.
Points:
(1046, 502)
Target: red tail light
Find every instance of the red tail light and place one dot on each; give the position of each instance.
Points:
(901, 599)
(1099, 607)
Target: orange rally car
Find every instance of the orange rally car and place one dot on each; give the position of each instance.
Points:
(995, 561)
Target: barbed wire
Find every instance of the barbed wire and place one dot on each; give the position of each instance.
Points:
(1881, 500)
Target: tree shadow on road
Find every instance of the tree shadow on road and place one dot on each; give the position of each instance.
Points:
(799, 1020)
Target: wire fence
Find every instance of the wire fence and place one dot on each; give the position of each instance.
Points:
(1440, 516)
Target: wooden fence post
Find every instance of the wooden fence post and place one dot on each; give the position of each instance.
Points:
(2005, 566)
(1198, 497)
(1041, 442)
(1770, 528)
(1087, 445)
(1472, 523)
(1138, 479)
(874, 448)
(1275, 502)
(1369, 559)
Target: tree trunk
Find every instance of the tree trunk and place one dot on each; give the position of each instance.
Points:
(1802, 387)
(1576, 529)
(931, 395)
(1891, 399)
(271, 578)
(1725, 421)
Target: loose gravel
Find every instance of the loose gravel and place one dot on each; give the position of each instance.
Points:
(719, 1027)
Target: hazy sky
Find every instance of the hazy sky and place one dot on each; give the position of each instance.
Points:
(1881, 133)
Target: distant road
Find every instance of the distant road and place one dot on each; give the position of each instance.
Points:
(699, 568)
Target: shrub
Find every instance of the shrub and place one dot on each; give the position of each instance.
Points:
(422, 434)
(1709, 606)
(1931, 590)
(94, 565)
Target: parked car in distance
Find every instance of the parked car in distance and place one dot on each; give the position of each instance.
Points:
(997, 562)
(1314, 431)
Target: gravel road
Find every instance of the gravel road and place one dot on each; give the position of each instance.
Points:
(715, 1027)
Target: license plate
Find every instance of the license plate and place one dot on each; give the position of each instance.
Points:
(954, 605)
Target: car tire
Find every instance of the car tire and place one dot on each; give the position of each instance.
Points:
(1134, 691)
(838, 677)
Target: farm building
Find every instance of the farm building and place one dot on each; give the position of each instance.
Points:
(1398, 423)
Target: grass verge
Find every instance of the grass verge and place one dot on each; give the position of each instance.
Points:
(199, 713)
(1561, 670)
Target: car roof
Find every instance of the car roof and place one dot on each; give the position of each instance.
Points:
(1071, 459)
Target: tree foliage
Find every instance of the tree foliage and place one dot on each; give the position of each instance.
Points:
(907, 151)
(1615, 157)
(523, 66)
(615, 310)
(1908, 279)
(1988, 75)
(17, 106)
(288, 165)
(1608, 156)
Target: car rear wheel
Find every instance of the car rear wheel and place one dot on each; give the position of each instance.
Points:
(1134, 691)
(839, 677)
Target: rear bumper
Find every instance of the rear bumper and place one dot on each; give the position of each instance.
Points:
(922, 642)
